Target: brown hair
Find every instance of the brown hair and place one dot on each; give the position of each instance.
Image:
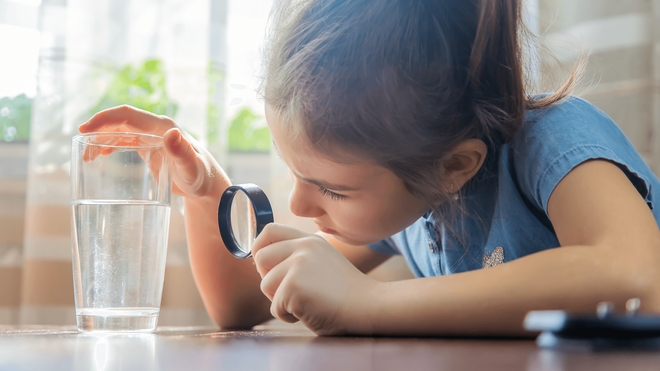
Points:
(400, 82)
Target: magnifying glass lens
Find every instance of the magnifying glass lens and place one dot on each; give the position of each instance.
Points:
(243, 222)
(243, 212)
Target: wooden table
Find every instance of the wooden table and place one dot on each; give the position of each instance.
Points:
(288, 348)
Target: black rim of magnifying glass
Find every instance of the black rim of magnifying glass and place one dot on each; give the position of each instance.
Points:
(262, 211)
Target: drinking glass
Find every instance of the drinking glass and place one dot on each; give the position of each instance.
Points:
(120, 197)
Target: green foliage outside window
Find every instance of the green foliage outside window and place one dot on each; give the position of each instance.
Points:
(15, 116)
(245, 133)
(142, 86)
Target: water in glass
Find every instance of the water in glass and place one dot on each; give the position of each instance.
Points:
(119, 256)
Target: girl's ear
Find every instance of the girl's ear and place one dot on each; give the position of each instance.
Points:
(463, 162)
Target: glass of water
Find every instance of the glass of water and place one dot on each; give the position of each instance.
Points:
(120, 196)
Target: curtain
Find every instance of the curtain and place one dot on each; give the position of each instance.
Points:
(13, 173)
(95, 54)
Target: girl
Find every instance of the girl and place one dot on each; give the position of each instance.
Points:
(408, 130)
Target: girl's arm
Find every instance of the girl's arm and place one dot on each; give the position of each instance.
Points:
(230, 287)
(610, 252)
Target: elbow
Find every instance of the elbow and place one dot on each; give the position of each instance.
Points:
(641, 278)
(229, 323)
(228, 320)
(238, 313)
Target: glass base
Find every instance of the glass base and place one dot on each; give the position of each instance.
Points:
(116, 321)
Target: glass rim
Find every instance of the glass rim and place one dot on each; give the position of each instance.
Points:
(78, 137)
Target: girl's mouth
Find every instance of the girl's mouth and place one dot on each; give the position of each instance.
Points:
(326, 230)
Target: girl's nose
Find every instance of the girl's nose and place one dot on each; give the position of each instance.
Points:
(303, 201)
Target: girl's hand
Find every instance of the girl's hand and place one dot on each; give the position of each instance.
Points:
(306, 279)
(194, 171)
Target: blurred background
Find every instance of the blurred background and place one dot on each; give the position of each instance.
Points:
(198, 62)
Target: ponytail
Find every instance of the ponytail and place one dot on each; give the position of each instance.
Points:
(496, 80)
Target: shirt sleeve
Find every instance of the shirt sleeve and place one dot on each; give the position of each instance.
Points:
(556, 140)
(386, 246)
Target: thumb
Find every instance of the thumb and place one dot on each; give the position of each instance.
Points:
(188, 169)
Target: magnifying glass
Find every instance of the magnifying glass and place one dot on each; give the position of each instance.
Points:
(243, 212)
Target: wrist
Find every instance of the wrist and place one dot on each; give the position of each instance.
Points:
(207, 206)
(217, 181)
(366, 318)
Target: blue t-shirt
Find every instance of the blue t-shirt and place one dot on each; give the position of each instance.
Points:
(507, 211)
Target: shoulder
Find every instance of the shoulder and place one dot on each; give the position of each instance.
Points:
(555, 140)
(573, 120)
(568, 130)
(571, 105)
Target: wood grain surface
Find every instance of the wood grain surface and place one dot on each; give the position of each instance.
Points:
(290, 348)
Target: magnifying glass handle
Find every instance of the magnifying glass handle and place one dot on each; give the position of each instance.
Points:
(263, 213)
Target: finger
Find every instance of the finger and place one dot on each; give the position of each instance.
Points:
(185, 157)
(276, 253)
(154, 160)
(90, 153)
(100, 146)
(126, 117)
(286, 317)
(279, 306)
(272, 280)
(177, 144)
(274, 232)
(112, 145)
(104, 145)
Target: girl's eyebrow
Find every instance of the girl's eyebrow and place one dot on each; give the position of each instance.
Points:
(322, 184)
(318, 183)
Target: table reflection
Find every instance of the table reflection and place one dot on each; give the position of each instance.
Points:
(292, 350)
(107, 352)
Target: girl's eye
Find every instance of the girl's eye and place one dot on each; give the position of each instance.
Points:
(334, 196)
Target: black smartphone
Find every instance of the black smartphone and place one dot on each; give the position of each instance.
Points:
(562, 329)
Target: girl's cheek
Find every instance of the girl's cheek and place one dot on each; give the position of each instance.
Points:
(353, 217)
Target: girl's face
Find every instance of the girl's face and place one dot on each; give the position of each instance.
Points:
(358, 203)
